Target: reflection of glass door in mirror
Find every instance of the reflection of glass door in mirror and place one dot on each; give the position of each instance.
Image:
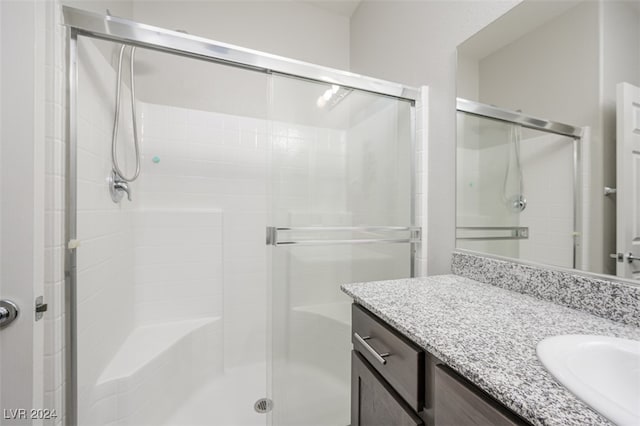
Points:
(515, 191)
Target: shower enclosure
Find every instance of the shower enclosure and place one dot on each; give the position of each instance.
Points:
(212, 296)
(518, 180)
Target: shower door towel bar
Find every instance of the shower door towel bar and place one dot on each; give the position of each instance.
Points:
(512, 232)
(273, 235)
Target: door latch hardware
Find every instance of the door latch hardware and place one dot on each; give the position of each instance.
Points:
(41, 308)
(621, 257)
(617, 256)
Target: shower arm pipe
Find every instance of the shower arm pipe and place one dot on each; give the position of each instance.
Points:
(530, 122)
(141, 35)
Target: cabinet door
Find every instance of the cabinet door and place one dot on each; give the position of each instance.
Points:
(373, 401)
(403, 369)
(458, 403)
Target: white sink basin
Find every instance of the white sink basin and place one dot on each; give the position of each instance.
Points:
(604, 372)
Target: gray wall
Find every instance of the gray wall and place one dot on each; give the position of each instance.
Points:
(415, 43)
(293, 29)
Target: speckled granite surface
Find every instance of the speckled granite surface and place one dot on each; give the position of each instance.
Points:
(608, 299)
(489, 335)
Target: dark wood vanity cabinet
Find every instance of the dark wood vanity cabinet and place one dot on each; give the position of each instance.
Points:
(385, 390)
(373, 401)
(396, 383)
(458, 402)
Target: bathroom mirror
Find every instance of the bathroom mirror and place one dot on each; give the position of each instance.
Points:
(536, 136)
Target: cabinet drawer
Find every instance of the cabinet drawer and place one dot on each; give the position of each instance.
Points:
(373, 401)
(458, 403)
(401, 363)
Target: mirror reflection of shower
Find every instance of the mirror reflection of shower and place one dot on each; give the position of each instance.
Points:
(118, 180)
(507, 161)
(513, 185)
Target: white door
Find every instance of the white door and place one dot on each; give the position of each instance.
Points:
(22, 78)
(628, 181)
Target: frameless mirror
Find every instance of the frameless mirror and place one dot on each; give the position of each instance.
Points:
(548, 142)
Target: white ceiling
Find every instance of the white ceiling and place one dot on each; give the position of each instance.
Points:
(339, 7)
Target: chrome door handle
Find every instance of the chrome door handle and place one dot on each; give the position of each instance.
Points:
(620, 257)
(8, 312)
(379, 357)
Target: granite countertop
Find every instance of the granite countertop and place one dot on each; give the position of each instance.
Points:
(489, 335)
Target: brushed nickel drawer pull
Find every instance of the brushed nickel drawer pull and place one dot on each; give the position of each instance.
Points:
(380, 357)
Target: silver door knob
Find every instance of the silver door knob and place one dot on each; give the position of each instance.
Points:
(8, 312)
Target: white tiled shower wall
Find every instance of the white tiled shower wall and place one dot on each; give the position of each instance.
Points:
(178, 271)
(421, 176)
(54, 214)
(137, 267)
(548, 179)
(212, 161)
(104, 229)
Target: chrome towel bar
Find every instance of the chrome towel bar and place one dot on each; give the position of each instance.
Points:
(492, 232)
(274, 240)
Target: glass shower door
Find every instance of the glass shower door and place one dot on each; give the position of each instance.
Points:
(516, 191)
(340, 212)
(171, 321)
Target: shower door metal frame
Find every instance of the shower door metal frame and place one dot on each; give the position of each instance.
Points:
(515, 117)
(118, 30)
(125, 31)
(71, 220)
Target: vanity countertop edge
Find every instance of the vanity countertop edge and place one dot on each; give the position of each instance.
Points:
(489, 335)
